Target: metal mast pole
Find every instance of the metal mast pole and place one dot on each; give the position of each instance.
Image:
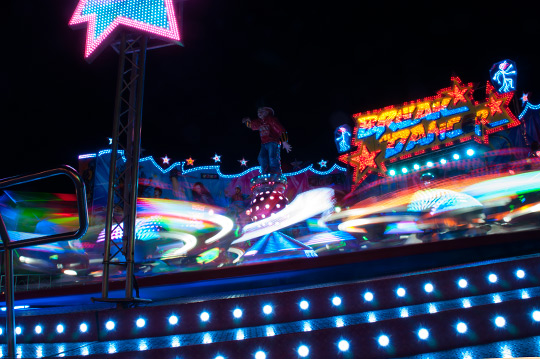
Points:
(121, 212)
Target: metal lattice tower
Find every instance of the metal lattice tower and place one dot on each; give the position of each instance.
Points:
(124, 177)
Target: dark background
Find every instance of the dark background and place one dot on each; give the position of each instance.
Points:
(315, 63)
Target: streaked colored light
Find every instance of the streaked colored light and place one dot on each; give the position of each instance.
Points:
(304, 304)
(205, 316)
(336, 301)
(38, 329)
(173, 320)
(343, 345)
(492, 278)
(59, 328)
(267, 309)
(368, 296)
(401, 292)
(463, 283)
(383, 340)
(303, 351)
(520, 273)
(428, 287)
(83, 328)
(500, 321)
(423, 334)
(110, 325)
(461, 327)
(140, 322)
(237, 313)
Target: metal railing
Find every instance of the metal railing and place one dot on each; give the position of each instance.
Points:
(8, 245)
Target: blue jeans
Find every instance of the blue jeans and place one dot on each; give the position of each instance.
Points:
(269, 158)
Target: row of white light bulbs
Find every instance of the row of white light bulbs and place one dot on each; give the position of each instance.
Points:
(384, 340)
(430, 164)
(267, 309)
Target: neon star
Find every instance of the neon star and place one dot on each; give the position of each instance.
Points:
(458, 94)
(190, 161)
(494, 105)
(216, 158)
(322, 163)
(243, 162)
(363, 162)
(524, 98)
(155, 17)
(165, 160)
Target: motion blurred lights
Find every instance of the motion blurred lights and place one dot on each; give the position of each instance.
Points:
(343, 345)
(520, 273)
(462, 283)
(173, 320)
(140, 323)
(470, 152)
(383, 340)
(237, 313)
(492, 278)
(38, 329)
(400, 292)
(368, 296)
(455, 156)
(260, 355)
(59, 328)
(536, 315)
(336, 301)
(110, 325)
(205, 316)
(392, 172)
(500, 321)
(303, 351)
(461, 327)
(428, 287)
(423, 334)
(83, 328)
(267, 309)
(304, 304)
(429, 164)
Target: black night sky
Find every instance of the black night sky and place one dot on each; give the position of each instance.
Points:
(315, 63)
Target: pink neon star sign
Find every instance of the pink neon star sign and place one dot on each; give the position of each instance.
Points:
(155, 17)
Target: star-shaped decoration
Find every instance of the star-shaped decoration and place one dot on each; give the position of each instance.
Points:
(165, 160)
(243, 162)
(363, 162)
(494, 105)
(190, 161)
(458, 94)
(524, 98)
(322, 163)
(155, 17)
(216, 158)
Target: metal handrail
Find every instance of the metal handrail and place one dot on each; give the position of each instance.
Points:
(8, 246)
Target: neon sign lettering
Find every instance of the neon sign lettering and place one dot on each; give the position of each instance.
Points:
(450, 117)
